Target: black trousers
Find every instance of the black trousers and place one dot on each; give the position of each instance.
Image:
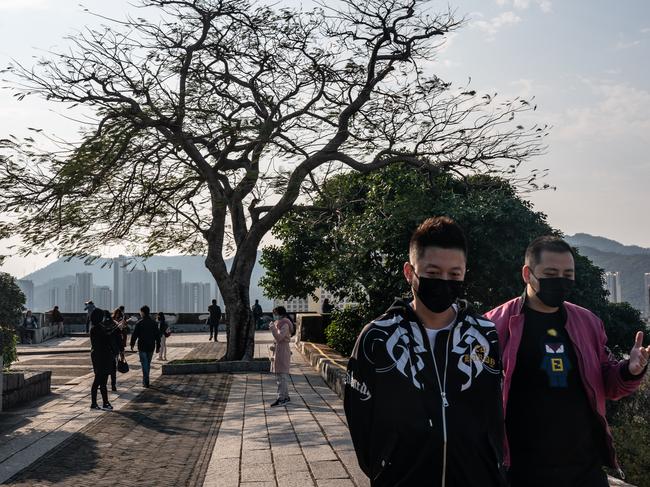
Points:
(114, 372)
(213, 327)
(100, 382)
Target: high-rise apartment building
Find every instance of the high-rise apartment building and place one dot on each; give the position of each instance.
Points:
(138, 289)
(103, 297)
(196, 297)
(646, 293)
(169, 290)
(613, 285)
(295, 305)
(119, 271)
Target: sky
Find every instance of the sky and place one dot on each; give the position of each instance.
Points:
(586, 62)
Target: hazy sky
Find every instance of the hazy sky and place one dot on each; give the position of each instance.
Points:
(587, 62)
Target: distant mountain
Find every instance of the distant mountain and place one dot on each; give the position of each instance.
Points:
(605, 244)
(630, 260)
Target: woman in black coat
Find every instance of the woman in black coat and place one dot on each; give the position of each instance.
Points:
(102, 358)
(115, 337)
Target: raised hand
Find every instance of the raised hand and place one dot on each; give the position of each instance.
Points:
(638, 355)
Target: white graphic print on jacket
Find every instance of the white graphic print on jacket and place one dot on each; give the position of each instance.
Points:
(474, 350)
(472, 346)
(397, 343)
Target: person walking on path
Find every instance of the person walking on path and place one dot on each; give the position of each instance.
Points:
(101, 355)
(257, 314)
(120, 320)
(56, 318)
(117, 349)
(163, 328)
(214, 319)
(147, 336)
(423, 384)
(89, 307)
(558, 375)
(30, 323)
(282, 329)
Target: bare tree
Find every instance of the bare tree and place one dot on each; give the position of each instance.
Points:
(213, 121)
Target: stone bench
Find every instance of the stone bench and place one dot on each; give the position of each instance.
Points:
(22, 387)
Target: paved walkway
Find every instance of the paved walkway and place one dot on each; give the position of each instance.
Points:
(196, 430)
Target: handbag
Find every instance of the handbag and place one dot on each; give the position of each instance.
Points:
(168, 332)
(122, 366)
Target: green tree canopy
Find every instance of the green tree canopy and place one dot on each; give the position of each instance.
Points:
(356, 246)
(12, 301)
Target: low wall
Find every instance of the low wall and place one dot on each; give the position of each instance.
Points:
(49, 331)
(257, 365)
(22, 387)
(330, 365)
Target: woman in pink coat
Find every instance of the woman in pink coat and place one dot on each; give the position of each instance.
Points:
(282, 329)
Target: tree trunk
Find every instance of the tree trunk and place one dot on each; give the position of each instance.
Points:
(241, 327)
(234, 286)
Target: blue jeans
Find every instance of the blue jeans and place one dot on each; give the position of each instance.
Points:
(145, 360)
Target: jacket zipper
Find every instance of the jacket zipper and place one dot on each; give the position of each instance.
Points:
(445, 404)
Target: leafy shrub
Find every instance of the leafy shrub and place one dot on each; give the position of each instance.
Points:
(8, 340)
(630, 422)
(343, 330)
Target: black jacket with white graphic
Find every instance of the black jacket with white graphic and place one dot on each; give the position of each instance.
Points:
(394, 405)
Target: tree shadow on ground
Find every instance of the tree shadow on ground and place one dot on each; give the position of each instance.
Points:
(74, 455)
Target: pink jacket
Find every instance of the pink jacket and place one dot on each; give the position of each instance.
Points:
(602, 374)
(281, 357)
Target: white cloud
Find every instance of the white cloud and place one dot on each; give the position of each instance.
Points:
(23, 4)
(545, 6)
(627, 44)
(645, 30)
(620, 112)
(495, 24)
(523, 87)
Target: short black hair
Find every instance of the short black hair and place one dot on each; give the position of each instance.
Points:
(437, 231)
(281, 310)
(550, 243)
(96, 317)
(214, 301)
(145, 309)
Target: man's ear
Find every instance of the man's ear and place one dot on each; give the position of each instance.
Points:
(408, 272)
(525, 273)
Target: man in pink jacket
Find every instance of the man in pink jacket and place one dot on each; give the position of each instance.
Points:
(558, 373)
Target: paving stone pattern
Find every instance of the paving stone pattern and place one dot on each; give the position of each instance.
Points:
(304, 444)
(164, 437)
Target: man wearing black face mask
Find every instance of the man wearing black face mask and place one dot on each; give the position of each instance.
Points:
(423, 385)
(558, 374)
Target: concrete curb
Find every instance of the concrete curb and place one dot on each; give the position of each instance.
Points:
(330, 365)
(52, 351)
(257, 365)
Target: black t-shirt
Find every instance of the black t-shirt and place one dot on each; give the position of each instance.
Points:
(549, 420)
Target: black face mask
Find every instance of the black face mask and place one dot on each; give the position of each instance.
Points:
(553, 291)
(438, 294)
